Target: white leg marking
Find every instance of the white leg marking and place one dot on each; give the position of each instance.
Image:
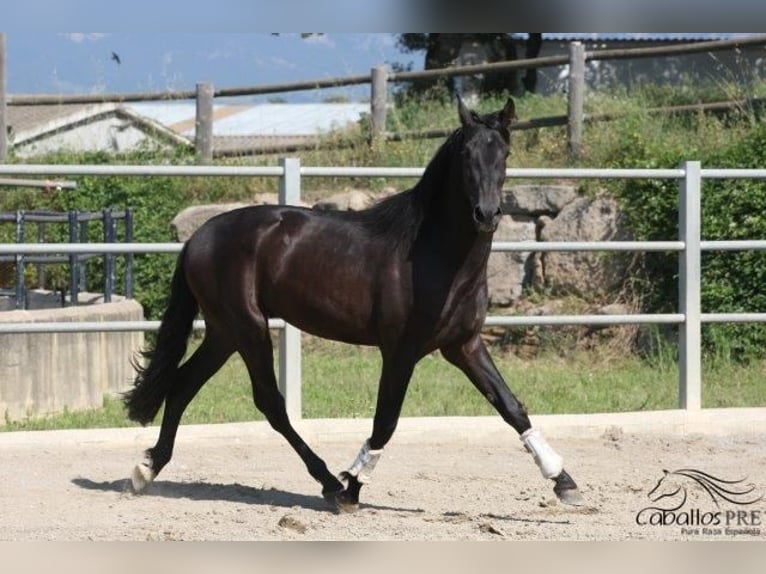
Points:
(548, 460)
(142, 476)
(364, 463)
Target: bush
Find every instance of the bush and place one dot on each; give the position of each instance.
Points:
(155, 202)
(731, 209)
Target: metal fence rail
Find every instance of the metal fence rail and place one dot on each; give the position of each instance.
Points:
(689, 245)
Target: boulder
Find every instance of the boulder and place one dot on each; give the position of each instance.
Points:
(537, 199)
(508, 271)
(188, 220)
(191, 218)
(354, 200)
(585, 274)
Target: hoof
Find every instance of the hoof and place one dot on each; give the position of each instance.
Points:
(142, 477)
(567, 491)
(331, 497)
(340, 501)
(347, 500)
(570, 496)
(345, 503)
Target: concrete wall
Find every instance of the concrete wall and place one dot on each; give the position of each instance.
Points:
(46, 373)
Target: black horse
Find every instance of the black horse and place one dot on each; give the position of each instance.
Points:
(408, 276)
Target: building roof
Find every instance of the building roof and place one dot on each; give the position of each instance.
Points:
(287, 120)
(33, 122)
(638, 36)
(252, 127)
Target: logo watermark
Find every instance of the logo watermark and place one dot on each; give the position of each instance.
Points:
(699, 503)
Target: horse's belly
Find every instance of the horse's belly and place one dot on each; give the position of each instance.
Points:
(332, 311)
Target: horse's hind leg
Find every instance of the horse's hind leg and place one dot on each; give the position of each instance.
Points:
(255, 347)
(203, 364)
(474, 360)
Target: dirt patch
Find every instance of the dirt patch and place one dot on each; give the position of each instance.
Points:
(437, 488)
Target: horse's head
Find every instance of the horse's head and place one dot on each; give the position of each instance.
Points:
(667, 487)
(672, 484)
(486, 145)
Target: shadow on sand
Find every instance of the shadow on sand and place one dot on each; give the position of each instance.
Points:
(227, 493)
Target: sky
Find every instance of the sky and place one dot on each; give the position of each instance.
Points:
(81, 63)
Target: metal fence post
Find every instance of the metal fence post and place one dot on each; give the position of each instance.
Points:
(129, 257)
(379, 86)
(203, 126)
(108, 257)
(689, 290)
(74, 261)
(21, 291)
(82, 272)
(576, 98)
(289, 336)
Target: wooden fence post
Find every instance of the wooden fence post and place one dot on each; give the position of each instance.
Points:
(203, 126)
(576, 97)
(379, 87)
(3, 118)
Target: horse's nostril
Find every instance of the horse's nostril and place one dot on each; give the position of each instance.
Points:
(478, 214)
(498, 212)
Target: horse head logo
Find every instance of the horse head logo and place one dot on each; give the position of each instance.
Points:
(672, 487)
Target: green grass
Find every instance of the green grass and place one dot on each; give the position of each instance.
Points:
(341, 381)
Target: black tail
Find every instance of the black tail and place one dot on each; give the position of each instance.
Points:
(154, 381)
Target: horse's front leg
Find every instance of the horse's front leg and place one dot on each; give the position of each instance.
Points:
(394, 380)
(474, 360)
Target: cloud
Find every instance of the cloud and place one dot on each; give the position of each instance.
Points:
(79, 37)
(274, 63)
(376, 42)
(220, 54)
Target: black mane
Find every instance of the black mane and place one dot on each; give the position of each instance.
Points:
(397, 219)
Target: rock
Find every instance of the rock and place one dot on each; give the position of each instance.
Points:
(584, 273)
(354, 200)
(265, 199)
(615, 309)
(289, 523)
(189, 219)
(537, 199)
(508, 271)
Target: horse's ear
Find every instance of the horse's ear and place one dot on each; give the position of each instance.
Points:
(508, 114)
(466, 116)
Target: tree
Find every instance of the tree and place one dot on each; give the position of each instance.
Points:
(444, 50)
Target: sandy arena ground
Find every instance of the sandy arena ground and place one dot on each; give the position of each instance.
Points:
(438, 479)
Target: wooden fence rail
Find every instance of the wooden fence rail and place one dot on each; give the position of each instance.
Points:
(379, 79)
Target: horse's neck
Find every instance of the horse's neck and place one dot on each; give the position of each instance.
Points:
(447, 215)
(447, 223)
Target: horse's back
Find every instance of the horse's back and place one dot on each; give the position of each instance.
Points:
(317, 270)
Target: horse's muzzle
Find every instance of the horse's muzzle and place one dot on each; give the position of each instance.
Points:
(486, 220)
